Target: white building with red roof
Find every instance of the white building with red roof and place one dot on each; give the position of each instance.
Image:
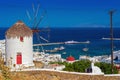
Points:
(70, 59)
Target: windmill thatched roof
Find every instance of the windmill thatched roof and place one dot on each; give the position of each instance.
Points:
(18, 29)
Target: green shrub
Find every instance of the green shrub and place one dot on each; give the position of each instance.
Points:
(106, 68)
(78, 66)
(82, 65)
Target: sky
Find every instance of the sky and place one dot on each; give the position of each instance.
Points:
(60, 13)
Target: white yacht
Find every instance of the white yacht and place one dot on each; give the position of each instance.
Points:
(76, 42)
(71, 42)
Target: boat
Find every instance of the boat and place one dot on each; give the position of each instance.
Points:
(71, 42)
(76, 42)
(64, 53)
(56, 49)
(51, 50)
(85, 49)
(59, 49)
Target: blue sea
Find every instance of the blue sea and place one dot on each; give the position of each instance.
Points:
(97, 45)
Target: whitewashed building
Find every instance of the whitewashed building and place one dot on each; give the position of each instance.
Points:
(116, 55)
(19, 50)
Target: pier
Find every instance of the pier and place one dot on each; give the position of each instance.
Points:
(47, 44)
(109, 38)
(57, 43)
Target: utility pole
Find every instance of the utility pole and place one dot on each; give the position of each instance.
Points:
(111, 38)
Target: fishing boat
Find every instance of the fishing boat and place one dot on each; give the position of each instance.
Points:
(64, 53)
(85, 49)
(56, 49)
(60, 48)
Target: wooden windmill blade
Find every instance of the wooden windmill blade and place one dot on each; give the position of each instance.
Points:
(37, 10)
(46, 30)
(35, 13)
(33, 7)
(28, 15)
(39, 40)
(32, 18)
(36, 21)
(40, 19)
(35, 29)
(43, 38)
(42, 32)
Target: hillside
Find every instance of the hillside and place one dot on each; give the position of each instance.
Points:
(52, 75)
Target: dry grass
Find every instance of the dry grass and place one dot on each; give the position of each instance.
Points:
(47, 75)
(50, 75)
(119, 71)
(38, 64)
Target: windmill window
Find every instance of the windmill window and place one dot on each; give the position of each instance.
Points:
(21, 39)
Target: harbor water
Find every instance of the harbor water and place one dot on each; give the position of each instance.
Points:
(97, 45)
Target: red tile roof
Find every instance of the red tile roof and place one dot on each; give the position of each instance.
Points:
(70, 58)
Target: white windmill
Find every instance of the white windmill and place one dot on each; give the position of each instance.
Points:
(19, 50)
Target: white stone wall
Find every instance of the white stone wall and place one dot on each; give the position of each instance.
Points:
(14, 45)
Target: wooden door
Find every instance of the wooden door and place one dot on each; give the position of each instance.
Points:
(19, 58)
